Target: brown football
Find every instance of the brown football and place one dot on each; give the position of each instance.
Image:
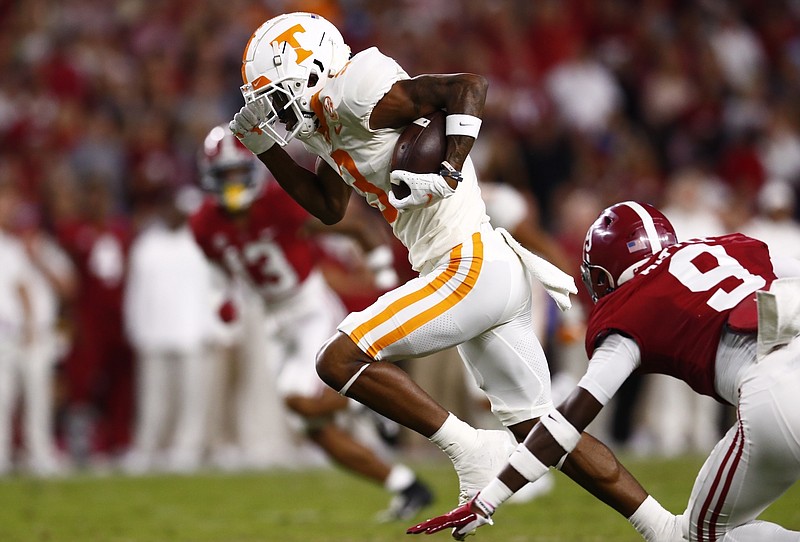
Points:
(420, 148)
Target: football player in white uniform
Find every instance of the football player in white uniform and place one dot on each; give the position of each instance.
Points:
(473, 291)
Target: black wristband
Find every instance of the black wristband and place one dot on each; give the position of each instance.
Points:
(446, 170)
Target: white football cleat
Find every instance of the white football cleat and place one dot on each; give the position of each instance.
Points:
(477, 465)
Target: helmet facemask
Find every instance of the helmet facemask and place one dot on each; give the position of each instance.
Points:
(230, 172)
(598, 280)
(287, 103)
(235, 187)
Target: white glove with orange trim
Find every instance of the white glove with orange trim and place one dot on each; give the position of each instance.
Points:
(425, 188)
(245, 126)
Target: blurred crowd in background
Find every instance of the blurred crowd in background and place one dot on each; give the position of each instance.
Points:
(689, 105)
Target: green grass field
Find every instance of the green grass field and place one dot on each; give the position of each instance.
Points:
(319, 505)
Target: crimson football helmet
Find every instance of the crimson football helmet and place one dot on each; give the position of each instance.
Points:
(624, 237)
(229, 170)
(287, 61)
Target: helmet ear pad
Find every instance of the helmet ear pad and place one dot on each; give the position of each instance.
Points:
(619, 242)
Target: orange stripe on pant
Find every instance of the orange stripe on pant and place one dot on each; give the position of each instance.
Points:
(423, 318)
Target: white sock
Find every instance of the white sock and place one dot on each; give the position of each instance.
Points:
(454, 436)
(652, 521)
(400, 477)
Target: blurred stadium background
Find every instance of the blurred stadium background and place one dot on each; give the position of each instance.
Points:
(690, 105)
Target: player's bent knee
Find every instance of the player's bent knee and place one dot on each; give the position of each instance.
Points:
(327, 361)
(340, 362)
(335, 359)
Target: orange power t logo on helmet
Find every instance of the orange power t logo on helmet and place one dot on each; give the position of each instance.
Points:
(285, 36)
(288, 37)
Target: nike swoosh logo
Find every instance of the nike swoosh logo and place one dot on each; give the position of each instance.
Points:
(462, 123)
(430, 197)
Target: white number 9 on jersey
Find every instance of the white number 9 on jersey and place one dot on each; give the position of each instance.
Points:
(683, 269)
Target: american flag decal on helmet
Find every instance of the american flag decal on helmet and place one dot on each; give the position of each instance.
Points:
(636, 245)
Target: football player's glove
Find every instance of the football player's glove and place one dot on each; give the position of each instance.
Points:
(246, 126)
(425, 188)
(463, 520)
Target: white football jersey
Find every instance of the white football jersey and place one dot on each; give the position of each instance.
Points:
(362, 157)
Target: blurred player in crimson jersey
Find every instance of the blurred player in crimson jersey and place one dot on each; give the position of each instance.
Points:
(687, 310)
(98, 370)
(252, 229)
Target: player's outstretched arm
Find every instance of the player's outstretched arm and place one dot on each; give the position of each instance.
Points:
(590, 463)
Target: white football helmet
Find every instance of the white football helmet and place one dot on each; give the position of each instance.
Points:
(230, 172)
(286, 62)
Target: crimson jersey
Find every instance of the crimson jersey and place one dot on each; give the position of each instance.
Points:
(676, 307)
(100, 254)
(267, 246)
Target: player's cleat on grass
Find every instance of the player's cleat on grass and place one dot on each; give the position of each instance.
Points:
(388, 430)
(477, 465)
(407, 504)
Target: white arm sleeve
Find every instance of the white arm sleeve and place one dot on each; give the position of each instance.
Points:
(785, 267)
(612, 362)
